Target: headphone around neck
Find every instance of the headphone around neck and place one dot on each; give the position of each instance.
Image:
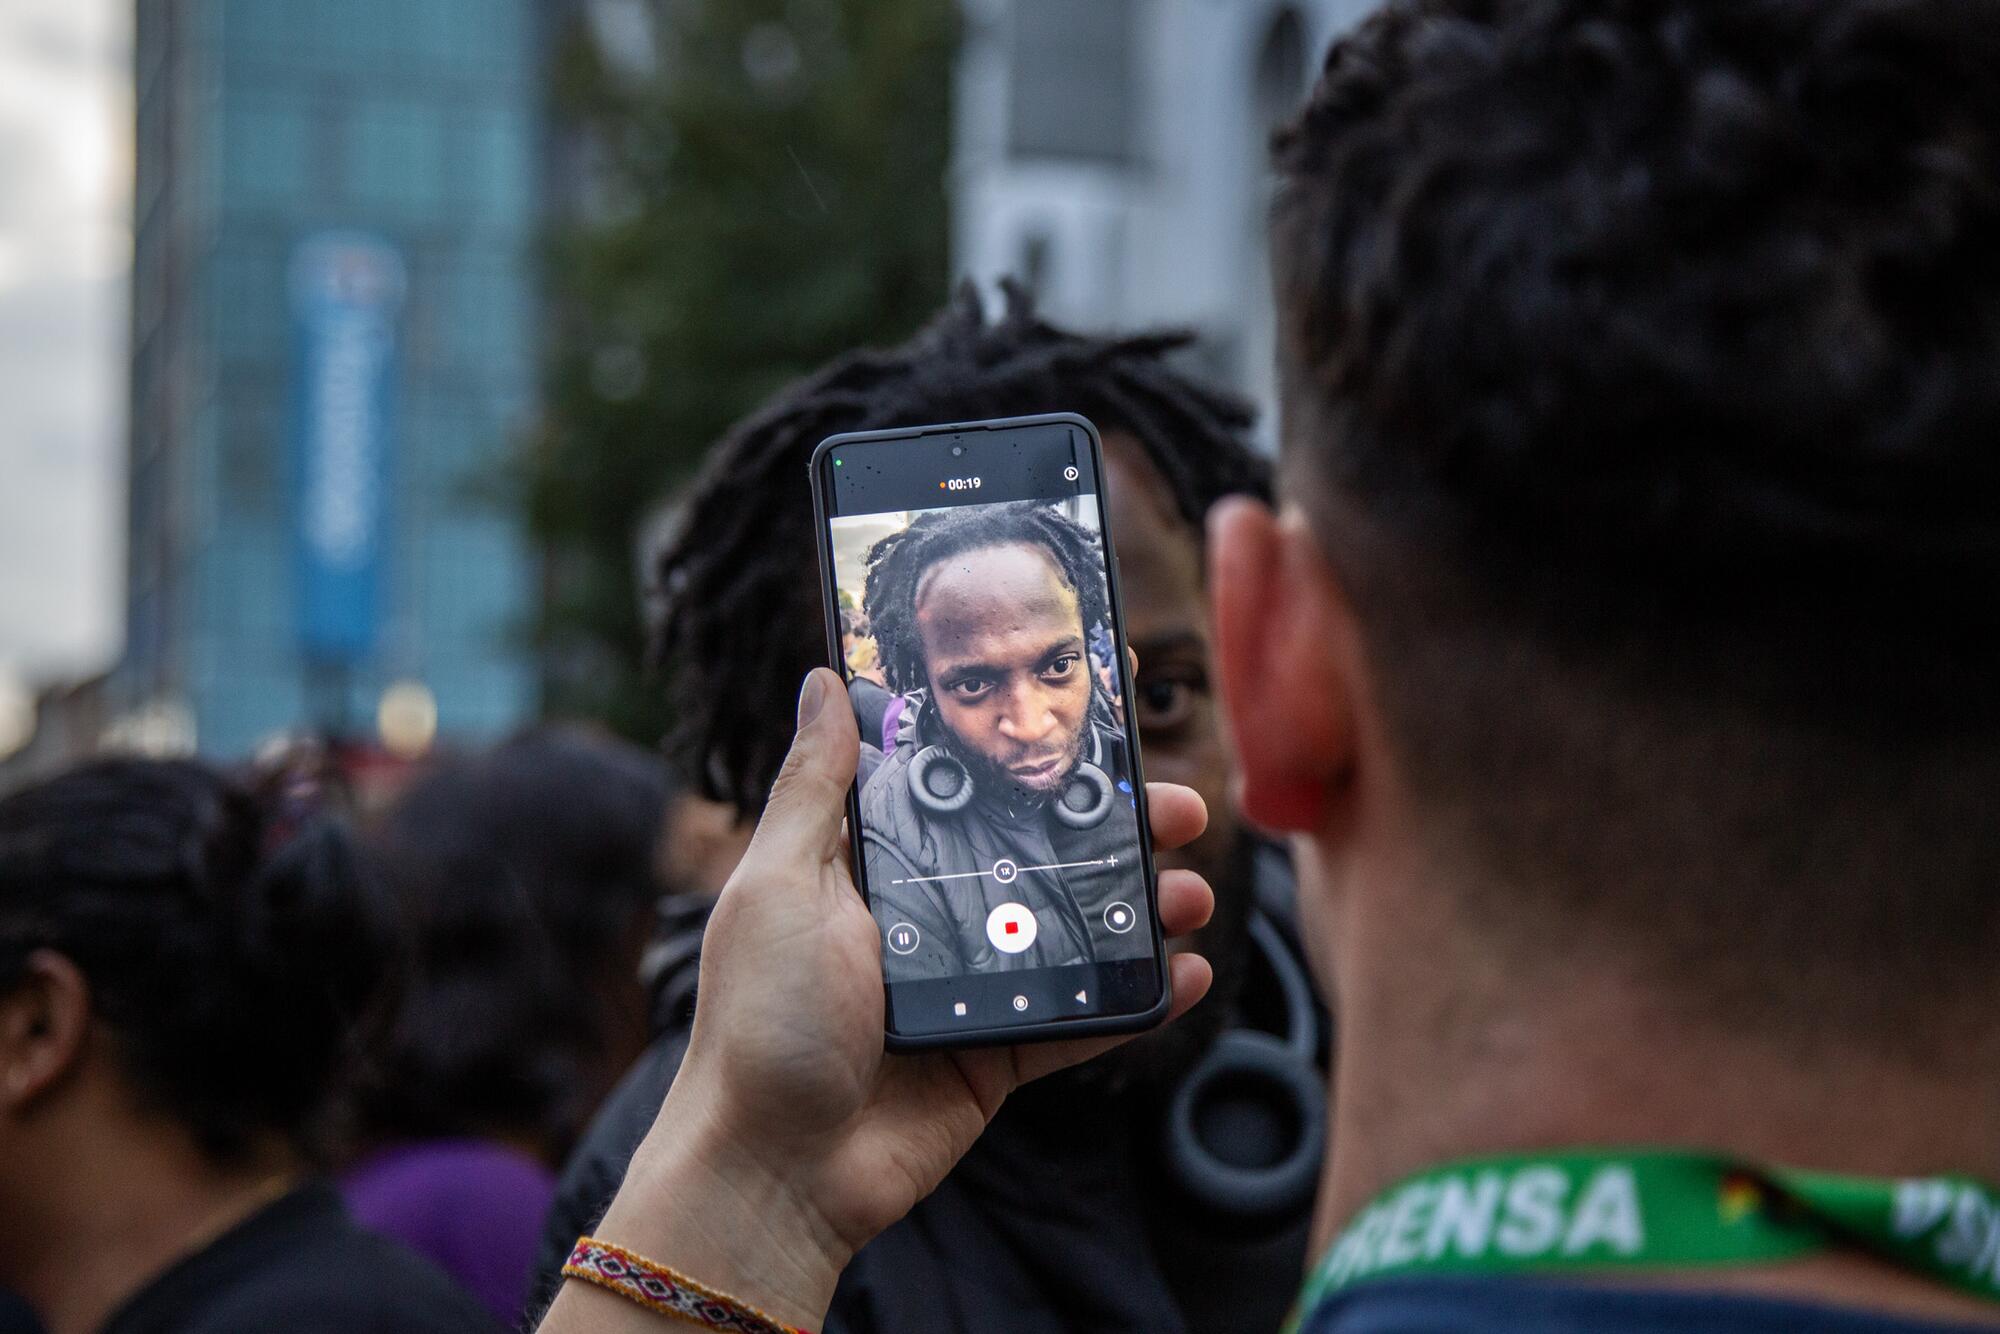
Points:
(942, 785)
(1246, 1130)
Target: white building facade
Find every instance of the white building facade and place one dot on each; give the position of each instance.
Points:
(1112, 154)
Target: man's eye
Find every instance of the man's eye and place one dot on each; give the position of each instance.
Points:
(971, 687)
(1164, 703)
(1061, 667)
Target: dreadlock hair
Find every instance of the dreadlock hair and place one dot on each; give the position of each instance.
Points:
(735, 608)
(897, 565)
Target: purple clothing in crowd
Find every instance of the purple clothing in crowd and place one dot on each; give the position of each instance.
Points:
(474, 1208)
(892, 719)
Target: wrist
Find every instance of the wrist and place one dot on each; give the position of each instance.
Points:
(715, 1210)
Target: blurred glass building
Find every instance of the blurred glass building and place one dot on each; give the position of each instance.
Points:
(333, 358)
(1113, 155)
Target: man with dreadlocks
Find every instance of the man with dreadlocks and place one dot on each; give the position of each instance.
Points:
(1008, 751)
(1071, 1215)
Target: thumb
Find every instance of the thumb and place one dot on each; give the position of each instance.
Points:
(801, 819)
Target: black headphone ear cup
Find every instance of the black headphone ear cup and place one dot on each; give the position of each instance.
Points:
(938, 782)
(1247, 1128)
(1086, 798)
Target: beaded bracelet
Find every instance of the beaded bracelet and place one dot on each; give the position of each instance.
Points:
(664, 1291)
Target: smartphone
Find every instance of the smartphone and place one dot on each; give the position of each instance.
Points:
(998, 817)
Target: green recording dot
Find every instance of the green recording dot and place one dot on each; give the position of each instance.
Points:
(838, 462)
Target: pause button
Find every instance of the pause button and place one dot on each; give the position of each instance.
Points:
(903, 938)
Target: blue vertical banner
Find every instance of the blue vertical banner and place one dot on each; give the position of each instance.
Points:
(347, 293)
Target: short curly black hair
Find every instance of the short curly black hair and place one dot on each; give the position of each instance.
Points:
(897, 563)
(238, 955)
(1692, 297)
(736, 607)
(1642, 376)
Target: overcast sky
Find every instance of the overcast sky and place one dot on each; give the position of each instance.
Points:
(65, 248)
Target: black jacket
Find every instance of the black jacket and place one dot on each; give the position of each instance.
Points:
(904, 843)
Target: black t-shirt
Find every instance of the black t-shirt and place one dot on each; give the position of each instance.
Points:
(16, 1317)
(301, 1266)
(1051, 1224)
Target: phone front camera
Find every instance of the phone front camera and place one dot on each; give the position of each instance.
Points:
(957, 451)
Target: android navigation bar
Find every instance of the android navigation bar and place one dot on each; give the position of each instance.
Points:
(984, 998)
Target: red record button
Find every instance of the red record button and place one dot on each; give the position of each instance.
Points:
(1011, 928)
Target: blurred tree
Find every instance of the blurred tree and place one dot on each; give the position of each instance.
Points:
(760, 185)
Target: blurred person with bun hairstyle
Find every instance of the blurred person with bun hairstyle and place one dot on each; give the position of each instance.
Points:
(184, 972)
(526, 877)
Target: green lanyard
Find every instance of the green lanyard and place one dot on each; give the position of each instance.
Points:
(1595, 1210)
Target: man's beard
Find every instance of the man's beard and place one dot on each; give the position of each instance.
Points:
(991, 777)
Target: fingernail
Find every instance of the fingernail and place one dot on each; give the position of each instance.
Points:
(811, 697)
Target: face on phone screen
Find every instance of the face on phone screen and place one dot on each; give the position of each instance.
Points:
(1000, 832)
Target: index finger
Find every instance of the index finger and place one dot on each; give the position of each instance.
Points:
(1178, 814)
(1191, 975)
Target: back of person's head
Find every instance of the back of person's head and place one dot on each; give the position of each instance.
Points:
(233, 951)
(527, 876)
(739, 621)
(1642, 382)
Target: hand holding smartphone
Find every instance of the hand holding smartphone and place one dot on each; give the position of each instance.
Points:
(999, 811)
(790, 1136)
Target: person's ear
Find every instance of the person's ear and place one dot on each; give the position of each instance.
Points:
(1279, 614)
(43, 1022)
(701, 842)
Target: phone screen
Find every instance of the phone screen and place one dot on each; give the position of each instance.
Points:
(1000, 835)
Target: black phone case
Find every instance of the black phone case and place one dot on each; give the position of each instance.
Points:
(1136, 1021)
